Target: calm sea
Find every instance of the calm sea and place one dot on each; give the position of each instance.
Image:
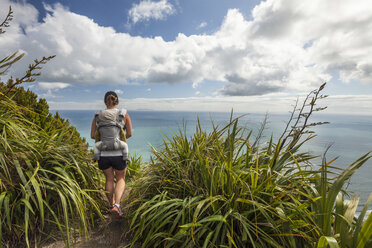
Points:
(350, 136)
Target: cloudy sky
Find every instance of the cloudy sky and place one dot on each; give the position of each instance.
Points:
(204, 55)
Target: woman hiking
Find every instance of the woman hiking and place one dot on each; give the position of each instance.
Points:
(107, 127)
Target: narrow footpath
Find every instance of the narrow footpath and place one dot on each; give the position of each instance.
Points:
(110, 232)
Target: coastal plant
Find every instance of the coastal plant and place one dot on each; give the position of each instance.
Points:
(47, 183)
(133, 167)
(223, 189)
(213, 190)
(336, 216)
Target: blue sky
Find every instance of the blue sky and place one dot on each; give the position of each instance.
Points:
(204, 55)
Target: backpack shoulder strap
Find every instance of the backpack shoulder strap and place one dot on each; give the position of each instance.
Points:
(121, 115)
(96, 114)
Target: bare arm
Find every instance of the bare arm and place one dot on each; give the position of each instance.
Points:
(93, 128)
(128, 126)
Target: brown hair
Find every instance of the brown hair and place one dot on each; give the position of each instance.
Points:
(111, 99)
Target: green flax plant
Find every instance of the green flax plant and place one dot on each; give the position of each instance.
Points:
(336, 216)
(221, 189)
(133, 167)
(216, 189)
(46, 183)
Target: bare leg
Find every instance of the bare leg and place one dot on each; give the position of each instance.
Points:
(109, 174)
(120, 185)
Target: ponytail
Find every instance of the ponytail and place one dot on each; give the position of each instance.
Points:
(111, 100)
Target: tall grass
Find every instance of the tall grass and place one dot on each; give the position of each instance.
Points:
(336, 216)
(220, 189)
(217, 190)
(46, 182)
(133, 166)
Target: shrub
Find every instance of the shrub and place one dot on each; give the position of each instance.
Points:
(220, 189)
(46, 181)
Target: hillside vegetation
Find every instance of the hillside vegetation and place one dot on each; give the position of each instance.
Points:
(225, 188)
(48, 185)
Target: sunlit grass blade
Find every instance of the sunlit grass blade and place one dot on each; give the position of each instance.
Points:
(365, 233)
(361, 220)
(325, 242)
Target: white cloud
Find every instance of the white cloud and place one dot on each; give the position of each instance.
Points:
(147, 10)
(202, 25)
(148, 89)
(70, 105)
(287, 46)
(53, 85)
(48, 94)
(51, 88)
(119, 91)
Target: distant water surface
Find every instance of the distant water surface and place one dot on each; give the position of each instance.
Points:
(350, 136)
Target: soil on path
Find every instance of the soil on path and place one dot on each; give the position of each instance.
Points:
(110, 232)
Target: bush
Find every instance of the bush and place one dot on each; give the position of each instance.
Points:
(220, 189)
(47, 183)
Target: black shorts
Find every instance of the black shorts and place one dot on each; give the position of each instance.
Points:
(116, 163)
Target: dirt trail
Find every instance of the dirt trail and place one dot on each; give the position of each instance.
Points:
(110, 232)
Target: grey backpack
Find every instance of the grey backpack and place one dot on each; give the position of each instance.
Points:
(110, 131)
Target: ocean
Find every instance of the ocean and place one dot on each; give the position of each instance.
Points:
(350, 136)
